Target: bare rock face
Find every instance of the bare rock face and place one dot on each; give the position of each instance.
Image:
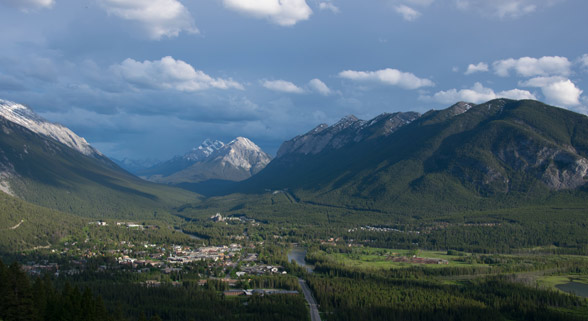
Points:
(348, 130)
(243, 154)
(235, 161)
(558, 168)
(566, 171)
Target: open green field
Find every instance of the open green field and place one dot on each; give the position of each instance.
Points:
(384, 258)
(552, 281)
(543, 268)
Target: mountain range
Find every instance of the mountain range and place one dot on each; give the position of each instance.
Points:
(212, 160)
(466, 156)
(489, 160)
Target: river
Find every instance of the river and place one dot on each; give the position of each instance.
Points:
(579, 289)
(297, 254)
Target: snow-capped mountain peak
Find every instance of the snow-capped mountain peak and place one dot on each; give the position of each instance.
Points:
(203, 151)
(27, 118)
(235, 161)
(244, 143)
(244, 154)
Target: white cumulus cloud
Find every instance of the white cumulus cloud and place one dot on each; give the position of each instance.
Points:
(319, 86)
(28, 5)
(281, 12)
(477, 94)
(408, 13)
(388, 76)
(282, 86)
(480, 67)
(158, 17)
(530, 67)
(329, 6)
(169, 73)
(557, 90)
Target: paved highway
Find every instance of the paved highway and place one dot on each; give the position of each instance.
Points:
(314, 313)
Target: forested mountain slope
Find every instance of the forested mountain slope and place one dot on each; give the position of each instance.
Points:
(38, 168)
(464, 157)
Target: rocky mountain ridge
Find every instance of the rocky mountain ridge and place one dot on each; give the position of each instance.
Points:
(349, 129)
(22, 115)
(212, 160)
(466, 153)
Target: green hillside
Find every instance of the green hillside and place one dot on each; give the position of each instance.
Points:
(44, 172)
(24, 227)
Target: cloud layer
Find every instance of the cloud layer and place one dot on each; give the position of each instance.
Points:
(168, 73)
(27, 5)
(477, 94)
(504, 8)
(583, 61)
(408, 13)
(281, 12)
(529, 67)
(557, 90)
(480, 67)
(320, 87)
(282, 86)
(160, 18)
(329, 6)
(388, 76)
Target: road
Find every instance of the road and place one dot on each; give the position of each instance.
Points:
(314, 313)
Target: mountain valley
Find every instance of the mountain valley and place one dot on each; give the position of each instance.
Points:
(480, 191)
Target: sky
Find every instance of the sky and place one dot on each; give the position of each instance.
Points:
(150, 79)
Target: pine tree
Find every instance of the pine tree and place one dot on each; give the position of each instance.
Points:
(18, 300)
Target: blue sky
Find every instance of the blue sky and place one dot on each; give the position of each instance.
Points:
(151, 79)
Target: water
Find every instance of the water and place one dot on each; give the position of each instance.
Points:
(297, 254)
(579, 289)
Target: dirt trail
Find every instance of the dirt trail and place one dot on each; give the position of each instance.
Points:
(16, 226)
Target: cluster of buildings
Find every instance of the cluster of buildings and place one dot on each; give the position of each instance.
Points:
(242, 219)
(182, 255)
(260, 269)
(379, 229)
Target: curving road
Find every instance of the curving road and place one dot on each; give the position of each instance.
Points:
(314, 313)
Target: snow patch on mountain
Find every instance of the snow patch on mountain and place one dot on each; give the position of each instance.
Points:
(203, 151)
(213, 159)
(243, 153)
(25, 117)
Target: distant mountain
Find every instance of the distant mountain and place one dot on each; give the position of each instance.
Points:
(49, 165)
(135, 165)
(202, 152)
(213, 160)
(348, 130)
(179, 163)
(464, 156)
